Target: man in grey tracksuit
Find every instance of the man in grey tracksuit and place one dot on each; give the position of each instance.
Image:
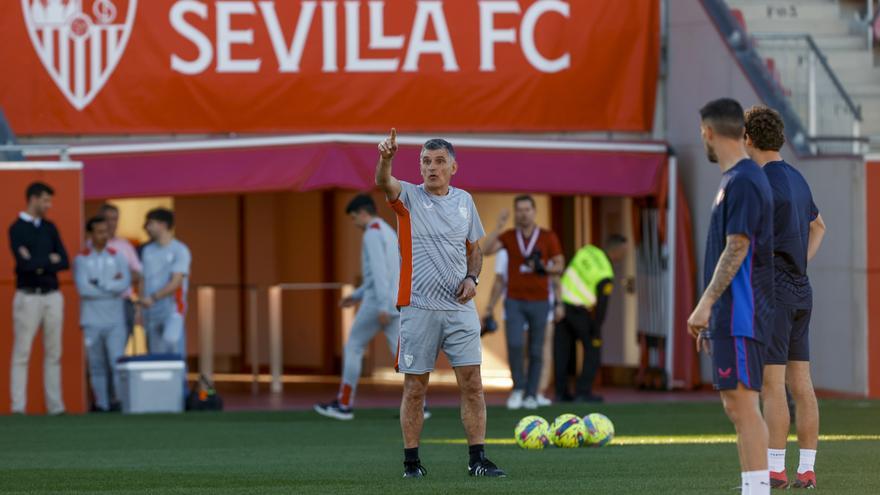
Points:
(377, 295)
(102, 276)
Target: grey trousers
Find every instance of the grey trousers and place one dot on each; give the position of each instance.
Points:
(104, 345)
(30, 312)
(366, 325)
(518, 314)
(155, 326)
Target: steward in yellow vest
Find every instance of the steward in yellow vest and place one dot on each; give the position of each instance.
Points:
(587, 284)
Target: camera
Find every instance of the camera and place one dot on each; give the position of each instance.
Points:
(534, 260)
(489, 325)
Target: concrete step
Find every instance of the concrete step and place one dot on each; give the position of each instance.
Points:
(850, 59)
(786, 9)
(868, 91)
(869, 130)
(851, 77)
(870, 114)
(813, 27)
(830, 43)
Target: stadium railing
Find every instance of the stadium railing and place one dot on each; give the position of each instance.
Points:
(814, 91)
(206, 296)
(774, 87)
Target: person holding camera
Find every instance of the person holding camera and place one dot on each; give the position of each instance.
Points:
(586, 288)
(534, 255)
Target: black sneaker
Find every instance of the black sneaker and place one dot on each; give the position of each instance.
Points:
(485, 467)
(335, 410)
(590, 398)
(414, 470)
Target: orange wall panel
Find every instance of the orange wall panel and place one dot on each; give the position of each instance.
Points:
(209, 225)
(299, 229)
(873, 234)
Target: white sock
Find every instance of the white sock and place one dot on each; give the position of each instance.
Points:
(756, 483)
(808, 460)
(776, 460)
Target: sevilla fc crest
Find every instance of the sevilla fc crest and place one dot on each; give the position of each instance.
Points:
(79, 42)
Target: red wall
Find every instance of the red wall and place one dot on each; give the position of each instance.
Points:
(872, 174)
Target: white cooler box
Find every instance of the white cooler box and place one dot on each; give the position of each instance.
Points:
(151, 384)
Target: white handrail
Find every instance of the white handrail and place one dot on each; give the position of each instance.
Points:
(671, 233)
(26, 165)
(205, 297)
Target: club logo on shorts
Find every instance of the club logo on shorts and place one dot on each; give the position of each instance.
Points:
(408, 359)
(79, 47)
(725, 373)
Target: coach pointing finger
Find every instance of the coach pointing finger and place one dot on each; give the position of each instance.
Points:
(438, 230)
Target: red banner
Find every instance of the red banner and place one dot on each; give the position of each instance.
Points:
(168, 66)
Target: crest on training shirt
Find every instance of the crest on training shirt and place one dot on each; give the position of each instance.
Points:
(79, 42)
(463, 211)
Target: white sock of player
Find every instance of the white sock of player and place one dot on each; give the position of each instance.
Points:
(756, 483)
(808, 460)
(776, 460)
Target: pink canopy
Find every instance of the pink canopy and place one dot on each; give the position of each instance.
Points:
(598, 169)
(305, 163)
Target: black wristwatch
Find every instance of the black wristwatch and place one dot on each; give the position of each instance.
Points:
(474, 278)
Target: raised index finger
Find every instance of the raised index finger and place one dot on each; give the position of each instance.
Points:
(393, 136)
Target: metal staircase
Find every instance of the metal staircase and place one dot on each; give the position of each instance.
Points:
(822, 62)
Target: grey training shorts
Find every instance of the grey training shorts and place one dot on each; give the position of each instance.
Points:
(424, 332)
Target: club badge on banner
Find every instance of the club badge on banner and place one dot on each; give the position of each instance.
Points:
(163, 66)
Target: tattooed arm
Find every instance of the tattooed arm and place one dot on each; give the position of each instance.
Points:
(731, 259)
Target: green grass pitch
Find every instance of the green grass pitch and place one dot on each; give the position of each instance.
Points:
(664, 449)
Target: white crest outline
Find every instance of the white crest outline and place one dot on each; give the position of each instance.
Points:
(44, 45)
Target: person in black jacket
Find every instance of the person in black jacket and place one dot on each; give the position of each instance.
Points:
(39, 256)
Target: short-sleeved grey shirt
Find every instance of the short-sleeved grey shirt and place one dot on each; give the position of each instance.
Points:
(433, 232)
(160, 263)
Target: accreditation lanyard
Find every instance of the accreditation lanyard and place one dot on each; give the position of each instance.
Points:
(527, 251)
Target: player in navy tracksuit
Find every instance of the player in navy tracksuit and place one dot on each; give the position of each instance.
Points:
(735, 313)
(798, 232)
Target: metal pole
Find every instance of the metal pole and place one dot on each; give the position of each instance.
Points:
(630, 299)
(812, 101)
(206, 331)
(253, 340)
(857, 131)
(869, 17)
(671, 230)
(275, 351)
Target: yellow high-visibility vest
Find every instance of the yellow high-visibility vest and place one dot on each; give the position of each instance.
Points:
(580, 281)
